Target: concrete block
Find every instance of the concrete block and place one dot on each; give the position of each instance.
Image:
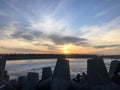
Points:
(20, 82)
(6, 76)
(2, 68)
(31, 81)
(97, 73)
(46, 73)
(113, 66)
(62, 69)
(13, 82)
(61, 75)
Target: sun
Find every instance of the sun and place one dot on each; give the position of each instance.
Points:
(66, 48)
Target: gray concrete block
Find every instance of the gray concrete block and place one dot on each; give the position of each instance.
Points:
(20, 82)
(45, 84)
(46, 73)
(2, 68)
(59, 84)
(61, 75)
(97, 73)
(31, 81)
(13, 82)
(6, 76)
(113, 66)
(62, 69)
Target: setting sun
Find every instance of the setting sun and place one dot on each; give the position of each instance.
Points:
(66, 48)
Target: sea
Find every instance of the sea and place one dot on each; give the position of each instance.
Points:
(18, 68)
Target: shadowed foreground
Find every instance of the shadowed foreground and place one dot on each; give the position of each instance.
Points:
(97, 77)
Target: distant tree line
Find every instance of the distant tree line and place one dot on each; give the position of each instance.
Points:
(54, 56)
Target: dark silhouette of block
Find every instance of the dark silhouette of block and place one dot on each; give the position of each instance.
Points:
(44, 84)
(4, 82)
(2, 86)
(6, 76)
(31, 81)
(46, 73)
(13, 82)
(115, 71)
(59, 84)
(97, 73)
(2, 69)
(61, 75)
(20, 82)
(113, 67)
(62, 69)
(8, 86)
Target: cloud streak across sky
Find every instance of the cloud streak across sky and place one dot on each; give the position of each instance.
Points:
(39, 26)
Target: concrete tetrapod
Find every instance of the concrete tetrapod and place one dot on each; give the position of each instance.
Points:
(115, 71)
(6, 76)
(45, 82)
(3, 83)
(20, 82)
(61, 75)
(113, 66)
(2, 69)
(31, 81)
(98, 77)
(97, 73)
(46, 73)
(60, 79)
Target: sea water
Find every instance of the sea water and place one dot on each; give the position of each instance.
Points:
(22, 67)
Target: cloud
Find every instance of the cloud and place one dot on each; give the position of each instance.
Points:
(107, 33)
(84, 43)
(104, 12)
(7, 30)
(50, 26)
(39, 37)
(14, 7)
(66, 39)
(21, 50)
(19, 30)
(27, 35)
(51, 47)
(109, 51)
(107, 46)
(3, 13)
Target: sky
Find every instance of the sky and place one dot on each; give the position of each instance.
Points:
(60, 26)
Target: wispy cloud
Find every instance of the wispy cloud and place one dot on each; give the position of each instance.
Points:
(6, 31)
(107, 46)
(21, 50)
(66, 39)
(104, 37)
(27, 35)
(104, 12)
(50, 25)
(99, 34)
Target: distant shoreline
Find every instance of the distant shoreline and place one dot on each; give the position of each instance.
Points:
(54, 56)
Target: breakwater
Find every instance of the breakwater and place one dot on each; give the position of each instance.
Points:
(97, 77)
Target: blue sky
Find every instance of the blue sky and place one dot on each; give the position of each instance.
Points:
(51, 26)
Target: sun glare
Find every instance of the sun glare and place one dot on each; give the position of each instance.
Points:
(66, 49)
